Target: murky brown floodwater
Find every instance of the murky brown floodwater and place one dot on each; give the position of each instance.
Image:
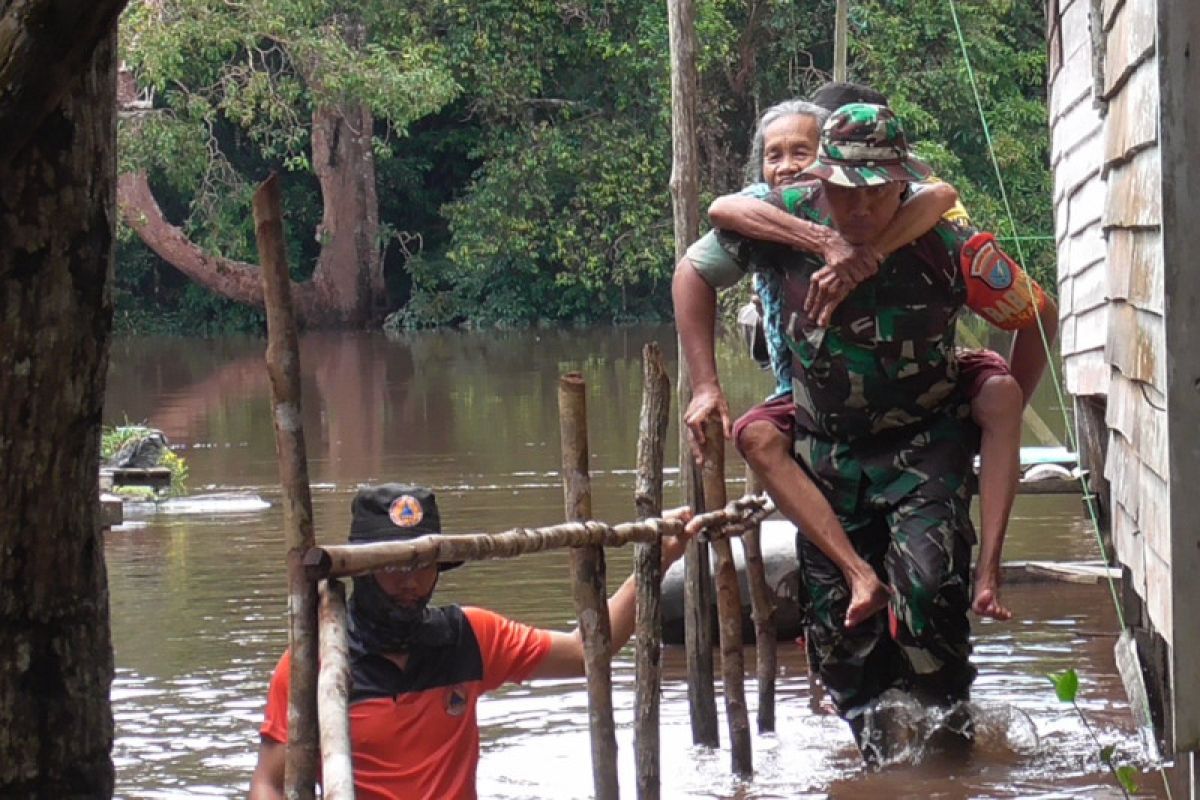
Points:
(198, 599)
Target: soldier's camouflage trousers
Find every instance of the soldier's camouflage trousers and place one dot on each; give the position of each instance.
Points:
(904, 502)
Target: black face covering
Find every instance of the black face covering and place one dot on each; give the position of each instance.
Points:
(379, 625)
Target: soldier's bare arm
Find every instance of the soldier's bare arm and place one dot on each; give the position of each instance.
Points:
(695, 319)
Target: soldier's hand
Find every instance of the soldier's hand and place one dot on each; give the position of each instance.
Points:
(707, 400)
(826, 290)
(852, 263)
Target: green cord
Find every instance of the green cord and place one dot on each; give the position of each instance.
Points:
(987, 135)
(1088, 495)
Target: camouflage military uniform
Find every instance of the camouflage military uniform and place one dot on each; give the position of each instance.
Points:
(882, 424)
(884, 431)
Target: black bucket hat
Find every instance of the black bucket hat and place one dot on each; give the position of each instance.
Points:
(395, 512)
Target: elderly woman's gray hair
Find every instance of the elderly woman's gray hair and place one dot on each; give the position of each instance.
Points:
(787, 108)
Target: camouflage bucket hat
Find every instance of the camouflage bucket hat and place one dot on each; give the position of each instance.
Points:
(864, 145)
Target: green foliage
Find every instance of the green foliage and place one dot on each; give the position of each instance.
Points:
(1066, 685)
(1066, 688)
(909, 50)
(112, 439)
(566, 223)
(523, 146)
(1127, 777)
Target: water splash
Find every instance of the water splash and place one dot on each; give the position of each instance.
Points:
(899, 729)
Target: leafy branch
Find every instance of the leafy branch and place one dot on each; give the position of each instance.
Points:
(1066, 687)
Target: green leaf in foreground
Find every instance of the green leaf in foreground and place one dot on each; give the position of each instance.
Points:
(1126, 775)
(1066, 685)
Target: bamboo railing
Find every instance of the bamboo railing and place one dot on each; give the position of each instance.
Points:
(283, 366)
(729, 608)
(318, 723)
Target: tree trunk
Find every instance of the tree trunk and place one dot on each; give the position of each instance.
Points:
(44, 47)
(347, 287)
(57, 217)
(348, 281)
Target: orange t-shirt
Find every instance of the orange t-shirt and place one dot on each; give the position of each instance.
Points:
(413, 732)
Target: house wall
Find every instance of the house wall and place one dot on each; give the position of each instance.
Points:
(1108, 155)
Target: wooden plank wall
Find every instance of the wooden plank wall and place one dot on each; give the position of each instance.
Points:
(1120, 113)
(1076, 148)
(1179, 75)
(1138, 466)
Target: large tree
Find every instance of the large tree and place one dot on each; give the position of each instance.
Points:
(57, 220)
(305, 82)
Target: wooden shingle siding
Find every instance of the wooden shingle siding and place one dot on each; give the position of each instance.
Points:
(1130, 549)
(1137, 345)
(1124, 475)
(1076, 30)
(1111, 7)
(1087, 210)
(1135, 268)
(1132, 123)
(1054, 39)
(1158, 597)
(1088, 372)
(1079, 123)
(1178, 36)
(1091, 328)
(1090, 290)
(1134, 193)
(1130, 42)
(1142, 425)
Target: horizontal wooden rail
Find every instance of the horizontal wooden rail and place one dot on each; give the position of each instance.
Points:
(345, 560)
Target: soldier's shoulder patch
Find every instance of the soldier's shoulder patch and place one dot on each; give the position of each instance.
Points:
(997, 288)
(983, 260)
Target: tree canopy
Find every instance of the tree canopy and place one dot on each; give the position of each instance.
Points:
(521, 148)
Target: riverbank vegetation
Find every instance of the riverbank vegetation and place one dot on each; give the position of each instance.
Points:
(506, 162)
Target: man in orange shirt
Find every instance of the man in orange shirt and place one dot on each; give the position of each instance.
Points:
(417, 671)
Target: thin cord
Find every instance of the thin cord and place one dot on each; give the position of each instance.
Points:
(1088, 496)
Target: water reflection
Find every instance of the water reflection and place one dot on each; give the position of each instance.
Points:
(198, 601)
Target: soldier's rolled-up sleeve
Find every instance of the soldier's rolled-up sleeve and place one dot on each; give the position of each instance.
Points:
(715, 264)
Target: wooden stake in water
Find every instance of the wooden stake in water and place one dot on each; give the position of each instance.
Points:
(591, 598)
(648, 500)
(333, 694)
(283, 365)
(685, 197)
(762, 609)
(729, 606)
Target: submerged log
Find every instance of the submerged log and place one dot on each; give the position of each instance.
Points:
(762, 604)
(333, 694)
(729, 608)
(283, 365)
(591, 598)
(648, 500)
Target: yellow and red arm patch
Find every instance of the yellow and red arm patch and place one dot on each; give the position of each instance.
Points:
(997, 287)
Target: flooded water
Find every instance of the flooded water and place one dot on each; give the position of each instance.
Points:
(198, 598)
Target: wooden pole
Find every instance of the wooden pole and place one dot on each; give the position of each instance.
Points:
(729, 607)
(333, 694)
(840, 23)
(762, 609)
(648, 500)
(283, 365)
(348, 560)
(685, 196)
(591, 597)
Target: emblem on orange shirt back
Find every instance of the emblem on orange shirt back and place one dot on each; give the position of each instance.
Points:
(455, 700)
